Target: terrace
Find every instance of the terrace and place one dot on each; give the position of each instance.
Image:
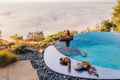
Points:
(48, 65)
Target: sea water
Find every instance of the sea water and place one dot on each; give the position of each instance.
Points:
(52, 17)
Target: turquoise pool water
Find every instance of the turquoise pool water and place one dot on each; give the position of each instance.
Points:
(103, 49)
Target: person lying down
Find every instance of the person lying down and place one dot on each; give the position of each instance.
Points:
(85, 66)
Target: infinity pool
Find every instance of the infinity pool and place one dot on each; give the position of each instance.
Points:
(103, 49)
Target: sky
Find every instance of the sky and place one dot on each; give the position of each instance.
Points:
(8, 1)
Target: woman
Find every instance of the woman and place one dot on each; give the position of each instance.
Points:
(67, 38)
(85, 66)
(66, 62)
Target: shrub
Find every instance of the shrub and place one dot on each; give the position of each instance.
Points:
(51, 39)
(107, 25)
(6, 57)
(16, 37)
(3, 42)
(19, 49)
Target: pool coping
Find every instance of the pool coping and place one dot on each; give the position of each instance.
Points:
(53, 63)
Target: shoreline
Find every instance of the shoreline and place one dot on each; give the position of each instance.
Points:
(47, 33)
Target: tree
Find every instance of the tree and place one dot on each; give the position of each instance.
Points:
(107, 25)
(116, 16)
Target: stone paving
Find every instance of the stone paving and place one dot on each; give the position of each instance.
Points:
(21, 70)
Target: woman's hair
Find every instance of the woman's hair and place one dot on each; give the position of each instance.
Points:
(68, 32)
(61, 59)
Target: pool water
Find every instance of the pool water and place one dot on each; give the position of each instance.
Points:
(102, 48)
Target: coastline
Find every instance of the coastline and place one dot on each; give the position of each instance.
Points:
(47, 33)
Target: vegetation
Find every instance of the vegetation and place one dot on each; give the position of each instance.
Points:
(6, 57)
(3, 42)
(35, 36)
(19, 49)
(51, 39)
(107, 25)
(16, 36)
(0, 33)
(116, 16)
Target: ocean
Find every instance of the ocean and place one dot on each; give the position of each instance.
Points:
(51, 17)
